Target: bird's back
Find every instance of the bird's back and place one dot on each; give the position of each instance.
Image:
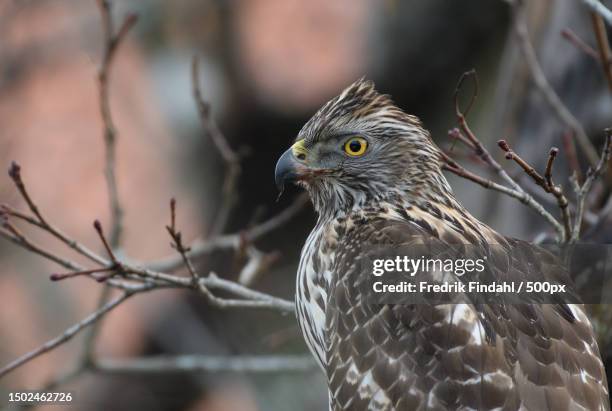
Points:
(446, 356)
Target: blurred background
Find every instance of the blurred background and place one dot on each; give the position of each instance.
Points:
(265, 66)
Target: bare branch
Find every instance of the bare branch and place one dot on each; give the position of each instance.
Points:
(544, 87)
(552, 155)
(258, 262)
(15, 174)
(91, 334)
(461, 114)
(456, 135)
(135, 277)
(90, 272)
(572, 156)
(195, 363)
(278, 220)
(600, 217)
(11, 233)
(98, 227)
(65, 336)
(603, 45)
(177, 244)
(580, 44)
(112, 41)
(151, 280)
(229, 156)
(598, 7)
(157, 279)
(479, 148)
(452, 166)
(546, 182)
(528, 169)
(583, 191)
(51, 229)
(516, 191)
(557, 191)
(233, 241)
(251, 298)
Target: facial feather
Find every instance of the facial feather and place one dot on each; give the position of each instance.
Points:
(401, 157)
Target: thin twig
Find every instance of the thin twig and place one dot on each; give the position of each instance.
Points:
(11, 233)
(39, 220)
(116, 266)
(454, 167)
(111, 254)
(557, 192)
(603, 45)
(545, 182)
(528, 169)
(15, 174)
(177, 242)
(572, 156)
(257, 263)
(156, 279)
(91, 334)
(89, 272)
(112, 41)
(515, 190)
(196, 363)
(65, 336)
(16, 237)
(230, 158)
(583, 191)
(233, 241)
(159, 279)
(54, 231)
(456, 135)
(479, 148)
(544, 87)
(580, 44)
(600, 217)
(599, 8)
(250, 298)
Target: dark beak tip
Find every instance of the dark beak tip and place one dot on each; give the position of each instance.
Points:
(285, 170)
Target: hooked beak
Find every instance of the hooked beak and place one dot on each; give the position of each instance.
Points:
(289, 165)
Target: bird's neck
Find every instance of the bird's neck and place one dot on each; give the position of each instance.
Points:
(336, 201)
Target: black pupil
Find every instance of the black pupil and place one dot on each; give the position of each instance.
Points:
(355, 146)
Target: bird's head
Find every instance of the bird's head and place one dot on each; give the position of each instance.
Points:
(360, 147)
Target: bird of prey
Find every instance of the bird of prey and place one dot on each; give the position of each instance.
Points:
(374, 177)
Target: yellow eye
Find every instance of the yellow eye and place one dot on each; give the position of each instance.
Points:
(356, 146)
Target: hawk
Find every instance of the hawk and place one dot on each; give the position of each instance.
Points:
(374, 177)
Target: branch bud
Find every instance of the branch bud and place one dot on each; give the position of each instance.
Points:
(98, 226)
(503, 144)
(15, 171)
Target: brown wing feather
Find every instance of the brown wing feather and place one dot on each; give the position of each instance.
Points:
(480, 356)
